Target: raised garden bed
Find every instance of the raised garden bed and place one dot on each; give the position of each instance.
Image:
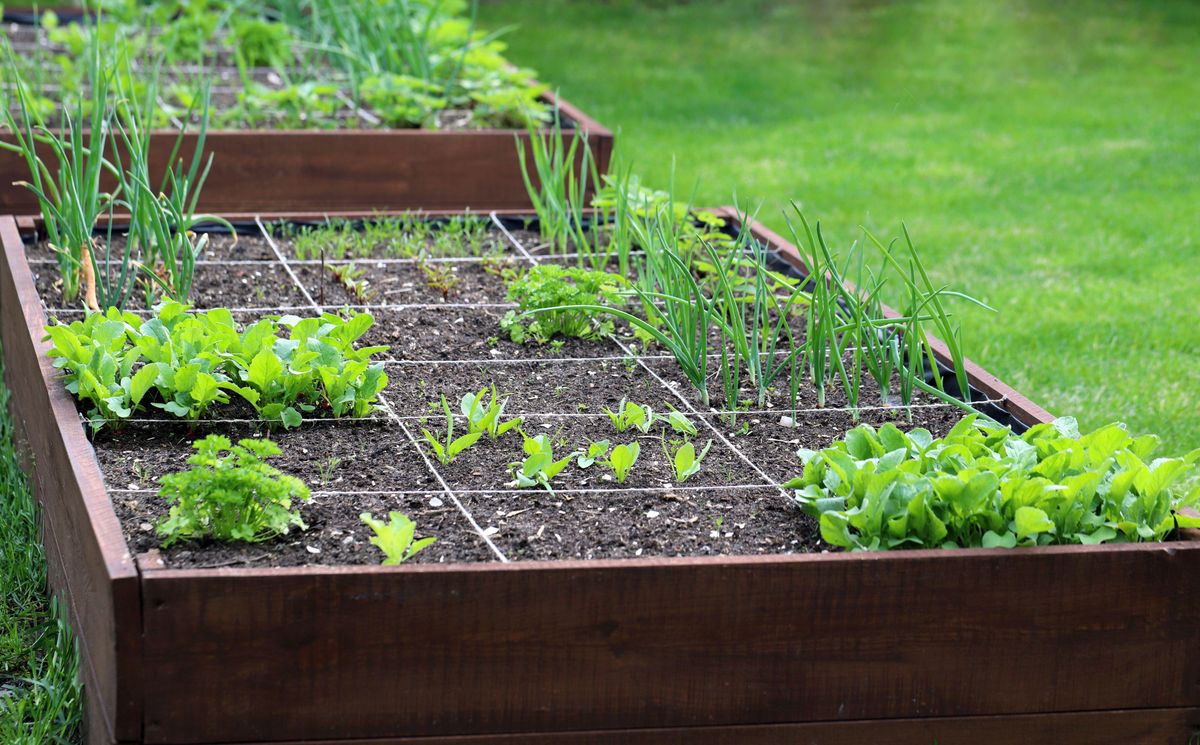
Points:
(348, 159)
(643, 612)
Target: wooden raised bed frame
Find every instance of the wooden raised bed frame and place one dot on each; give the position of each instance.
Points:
(1070, 644)
(332, 171)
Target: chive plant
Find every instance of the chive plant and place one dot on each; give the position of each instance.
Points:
(162, 214)
(69, 196)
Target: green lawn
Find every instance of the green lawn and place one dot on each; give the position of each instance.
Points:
(40, 701)
(1045, 156)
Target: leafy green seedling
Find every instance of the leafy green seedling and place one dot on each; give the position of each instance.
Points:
(686, 460)
(629, 414)
(594, 452)
(395, 537)
(622, 459)
(230, 494)
(539, 467)
(680, 423)
(450, 450)
(484, 413)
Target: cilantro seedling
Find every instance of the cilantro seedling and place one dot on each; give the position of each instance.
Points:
(230, 494)
(448, 451)
(395, 537)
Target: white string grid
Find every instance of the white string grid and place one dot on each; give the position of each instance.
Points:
(629, 356)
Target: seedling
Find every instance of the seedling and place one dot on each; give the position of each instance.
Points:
(485, 412)
(326, 468)
(539, 467)
(680, 423)
(438, 276)
(594, 452)
(395, 537)
(629, 414)
(351, 277)
(230, 494)
(685, 459)
(448, 451)
(622, 459)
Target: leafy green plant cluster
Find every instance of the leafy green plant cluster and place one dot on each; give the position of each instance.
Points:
(539, 467)
(186, 362)
(391, 63)
(982, 485)
(230, 494)
(395, 538)
(564, 299)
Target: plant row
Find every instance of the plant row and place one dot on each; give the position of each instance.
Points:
(299, 63)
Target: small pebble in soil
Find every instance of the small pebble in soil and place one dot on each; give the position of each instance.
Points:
(312, 549)
(435, 502)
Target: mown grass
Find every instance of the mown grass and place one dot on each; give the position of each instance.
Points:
(40, 701)
(1043, 155)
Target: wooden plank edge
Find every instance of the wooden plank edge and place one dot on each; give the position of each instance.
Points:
(121, 571)
(1116, 727)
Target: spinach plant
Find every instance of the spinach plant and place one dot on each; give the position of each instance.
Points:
(594, 452)
(630, 415)
(982, 485)
(230, 494)
(621, 460)
(395, 537)
(685, 460)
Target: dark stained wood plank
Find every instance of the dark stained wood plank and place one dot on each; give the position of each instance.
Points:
(1137, 727)
(347, 170)
(667, 643)
(90, 567)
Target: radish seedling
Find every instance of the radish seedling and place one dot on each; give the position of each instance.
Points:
(395, 537)
(449, 451)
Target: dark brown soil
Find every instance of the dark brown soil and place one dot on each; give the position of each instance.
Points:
(729, 507)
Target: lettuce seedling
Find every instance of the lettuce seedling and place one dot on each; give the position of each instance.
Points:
(449, 451)
(539, 467)
(982, 485)
(629, 414)
(230, 494)
(395, 537)
(485, 413)
(622, 459)
(685, 459)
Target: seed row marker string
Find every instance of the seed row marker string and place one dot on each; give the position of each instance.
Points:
(387, 407)
(394, 418)
(328, 307)
(667, 488)
(687, 404)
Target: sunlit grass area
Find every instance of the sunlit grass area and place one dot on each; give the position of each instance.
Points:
(1045, 156)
